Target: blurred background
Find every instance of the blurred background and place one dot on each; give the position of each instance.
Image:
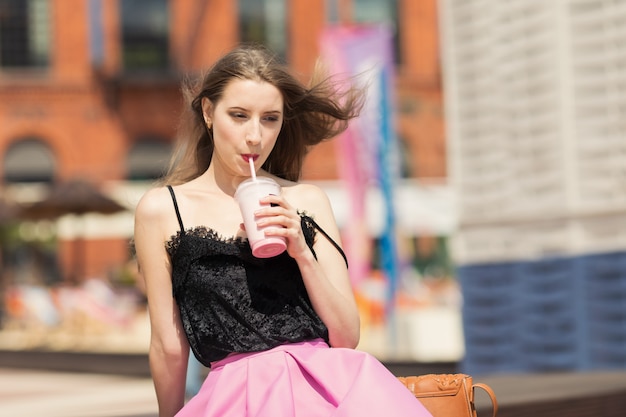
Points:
(482, 194)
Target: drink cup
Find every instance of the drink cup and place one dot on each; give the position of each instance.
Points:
(248, 195)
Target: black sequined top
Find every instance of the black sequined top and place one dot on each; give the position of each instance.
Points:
(231, 301)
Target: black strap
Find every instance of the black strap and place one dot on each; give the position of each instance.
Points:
(308, 218)
(330, 239)
(180, 220)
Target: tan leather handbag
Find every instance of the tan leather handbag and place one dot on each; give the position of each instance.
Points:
(447, 395)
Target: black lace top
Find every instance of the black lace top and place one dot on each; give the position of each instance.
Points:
(231, 301)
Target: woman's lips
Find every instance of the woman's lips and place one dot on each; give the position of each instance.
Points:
(247, 156)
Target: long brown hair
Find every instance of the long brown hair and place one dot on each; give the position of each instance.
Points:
(311, 115)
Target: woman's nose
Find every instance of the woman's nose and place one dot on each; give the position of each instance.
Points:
(253, 135)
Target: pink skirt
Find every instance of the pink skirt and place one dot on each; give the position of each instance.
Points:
(307, 379)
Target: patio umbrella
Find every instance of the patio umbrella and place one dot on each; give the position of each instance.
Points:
(77, 197)
(71, 197)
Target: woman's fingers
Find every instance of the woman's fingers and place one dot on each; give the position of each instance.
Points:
(278, 212)
(274, 205)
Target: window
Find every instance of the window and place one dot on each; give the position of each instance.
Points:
(24, 33)
(145, 35)
(263, 21)
(375, 11)
(370, 11)
(148, 159)
(405, 167)
(29, 160)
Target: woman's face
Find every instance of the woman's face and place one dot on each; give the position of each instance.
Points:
(246, 122)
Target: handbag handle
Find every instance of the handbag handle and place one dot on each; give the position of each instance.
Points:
(491, 394)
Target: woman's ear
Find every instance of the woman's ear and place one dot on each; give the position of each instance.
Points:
(207, 111)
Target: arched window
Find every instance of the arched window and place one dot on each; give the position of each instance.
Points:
(28, 160)
(148, 158)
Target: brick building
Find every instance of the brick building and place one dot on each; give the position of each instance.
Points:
(90, 88)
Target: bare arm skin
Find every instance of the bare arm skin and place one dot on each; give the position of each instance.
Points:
(326, 278)
(169, 348)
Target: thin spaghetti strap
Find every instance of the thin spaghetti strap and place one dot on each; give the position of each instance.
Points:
(180, 220)
(330, 239)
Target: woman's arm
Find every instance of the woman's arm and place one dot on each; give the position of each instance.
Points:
(326, 278)
(169, 348)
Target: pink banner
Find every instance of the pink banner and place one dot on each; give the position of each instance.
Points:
(364, 51)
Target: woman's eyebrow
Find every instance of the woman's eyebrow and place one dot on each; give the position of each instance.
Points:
(239, 108)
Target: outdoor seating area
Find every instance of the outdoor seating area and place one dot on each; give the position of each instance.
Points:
(92, 317)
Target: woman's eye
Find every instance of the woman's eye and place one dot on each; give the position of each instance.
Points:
(238, 115)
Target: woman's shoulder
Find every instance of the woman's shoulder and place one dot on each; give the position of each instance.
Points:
(306, 197)
(153, 203)
(303, 187)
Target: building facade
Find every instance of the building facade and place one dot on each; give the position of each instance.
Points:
(537, 148)
(91, 88)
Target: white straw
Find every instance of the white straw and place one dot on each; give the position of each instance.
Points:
(252, 170)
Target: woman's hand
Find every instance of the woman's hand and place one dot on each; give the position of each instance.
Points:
(282, 219)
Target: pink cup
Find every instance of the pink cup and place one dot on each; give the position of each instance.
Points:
(248, 195)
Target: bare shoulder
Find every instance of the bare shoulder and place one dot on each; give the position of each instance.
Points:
(313, 201)
(307, 197)
(155, 217)
(153, 204)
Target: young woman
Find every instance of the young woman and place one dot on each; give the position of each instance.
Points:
(278, 333)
